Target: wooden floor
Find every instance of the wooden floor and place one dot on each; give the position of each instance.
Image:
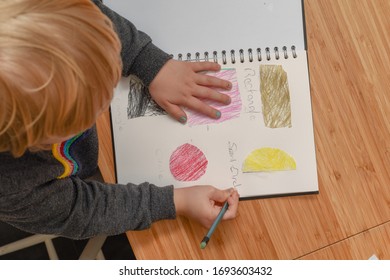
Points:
(374, 241)
(350, 81)
(349, 63)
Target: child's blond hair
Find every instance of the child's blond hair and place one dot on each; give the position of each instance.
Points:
(59, 64)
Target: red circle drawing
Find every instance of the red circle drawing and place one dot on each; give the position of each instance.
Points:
(188, 163)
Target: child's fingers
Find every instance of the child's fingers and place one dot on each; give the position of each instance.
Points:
(204, 66)
(201, 107)
(221, 195)
(211, 94)
(176, 112)
(193, 103)
(214, 82)
(229, 195)
(233, 200)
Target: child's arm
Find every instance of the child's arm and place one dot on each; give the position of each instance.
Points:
(79, 209)
(140, 56)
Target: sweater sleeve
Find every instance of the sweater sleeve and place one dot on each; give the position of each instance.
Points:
(80, 209)
(140, 56)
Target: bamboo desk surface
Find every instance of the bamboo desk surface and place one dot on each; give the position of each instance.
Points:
(349, 63)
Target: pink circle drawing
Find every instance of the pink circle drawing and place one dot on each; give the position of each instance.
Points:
(188, 163)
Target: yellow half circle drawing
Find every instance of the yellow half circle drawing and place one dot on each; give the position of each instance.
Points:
(268, 159)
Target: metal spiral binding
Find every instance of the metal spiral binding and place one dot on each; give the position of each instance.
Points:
(268, 53)
(250, 55)
(206, 56)
(259, 57)
(294, 52)
(197, 56)
(253, 55)
(215, 56)
(285, 52)
(242, 57)
(233, 56)
(224, 57)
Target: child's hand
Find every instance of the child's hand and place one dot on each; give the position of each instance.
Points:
(203, 203)
(182, 83)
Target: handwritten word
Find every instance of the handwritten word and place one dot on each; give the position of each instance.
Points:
(234, 170)
(251, 91)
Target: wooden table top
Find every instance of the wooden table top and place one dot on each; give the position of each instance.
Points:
(349, 64)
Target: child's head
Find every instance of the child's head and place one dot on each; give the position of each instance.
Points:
(59, 63)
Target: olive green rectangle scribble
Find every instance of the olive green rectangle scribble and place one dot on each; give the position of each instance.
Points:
(275, 96)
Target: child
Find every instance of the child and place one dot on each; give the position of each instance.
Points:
(60, 61)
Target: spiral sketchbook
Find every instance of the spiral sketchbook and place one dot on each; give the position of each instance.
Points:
(263, 144)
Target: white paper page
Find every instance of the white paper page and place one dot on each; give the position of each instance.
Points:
(144, 145)
(180, 26)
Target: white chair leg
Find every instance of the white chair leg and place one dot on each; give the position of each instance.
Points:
(91, 251)
(100, 256)
(24, 243)
(93, 247)
(51, 250)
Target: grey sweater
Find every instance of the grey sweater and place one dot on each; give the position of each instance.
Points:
(32, 197)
